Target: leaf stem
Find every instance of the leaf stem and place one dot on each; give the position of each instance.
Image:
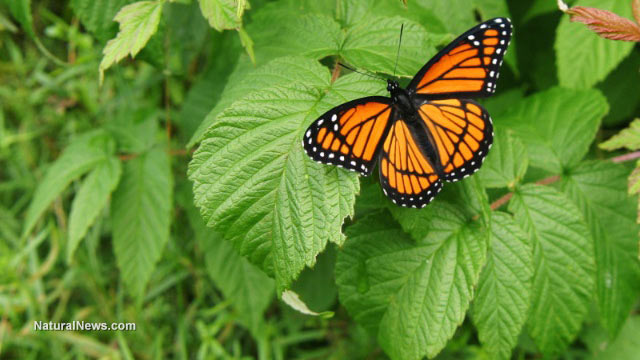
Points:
(505, 198)
(336, 71)
(626, 157)
(618, 159)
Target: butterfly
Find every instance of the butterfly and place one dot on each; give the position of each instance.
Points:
(425, 134)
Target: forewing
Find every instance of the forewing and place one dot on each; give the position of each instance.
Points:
(461, 132)
(469, 66)
(407, 176)
(349, 135)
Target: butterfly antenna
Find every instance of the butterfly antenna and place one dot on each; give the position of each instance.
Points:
(360, 72)
(398, 52)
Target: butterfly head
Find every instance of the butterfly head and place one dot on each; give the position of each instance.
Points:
(392, 85)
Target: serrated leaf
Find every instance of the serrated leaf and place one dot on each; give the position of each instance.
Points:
(97, 15)
(243, 82)
(628, 138)
(599, 189)
(563, 261)
(78, 158)
(91, 199)
(507, 162)
(141, 216)
(412, 294)
(254, 183)
(223, 14)
(584, 58)
(556, 125)
(502, 303)
(138, 22)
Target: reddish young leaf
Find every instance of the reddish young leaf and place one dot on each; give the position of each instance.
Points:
(607, 24)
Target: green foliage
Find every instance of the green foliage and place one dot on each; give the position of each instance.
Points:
(508, 170)
(174, 193)
(599, 189)
(223, 14)
(261, 184)
(141, 213)
(557, 126)
(502, 303)
(84, 154)
(97, 15)
(138, 21)
(563, 260)
(628, 138)
(91, 199)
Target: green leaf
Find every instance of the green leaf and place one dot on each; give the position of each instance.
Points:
(138, 22)
(91, 199)
(599, 189)
(21, 10)
(584, 58)
(457, 15)
(563, 263)
(222, 14)
(247, 44)
(370, 44)
(292, 299)
(373, 44)
(628, 138)
(506, 163)
(78, 158)
(97, 15)
(412, 294)
(243, 83)
(141, 215)
(501, 306)
(311, 35)
(350, 12)
(254, 183)
(556, 125)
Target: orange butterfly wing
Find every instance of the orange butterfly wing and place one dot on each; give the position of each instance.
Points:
(469, 66)
(407, 176)
(349, 135)
(462, 133)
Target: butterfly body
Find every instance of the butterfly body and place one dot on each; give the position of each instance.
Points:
(424, 134)
(402, 101)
